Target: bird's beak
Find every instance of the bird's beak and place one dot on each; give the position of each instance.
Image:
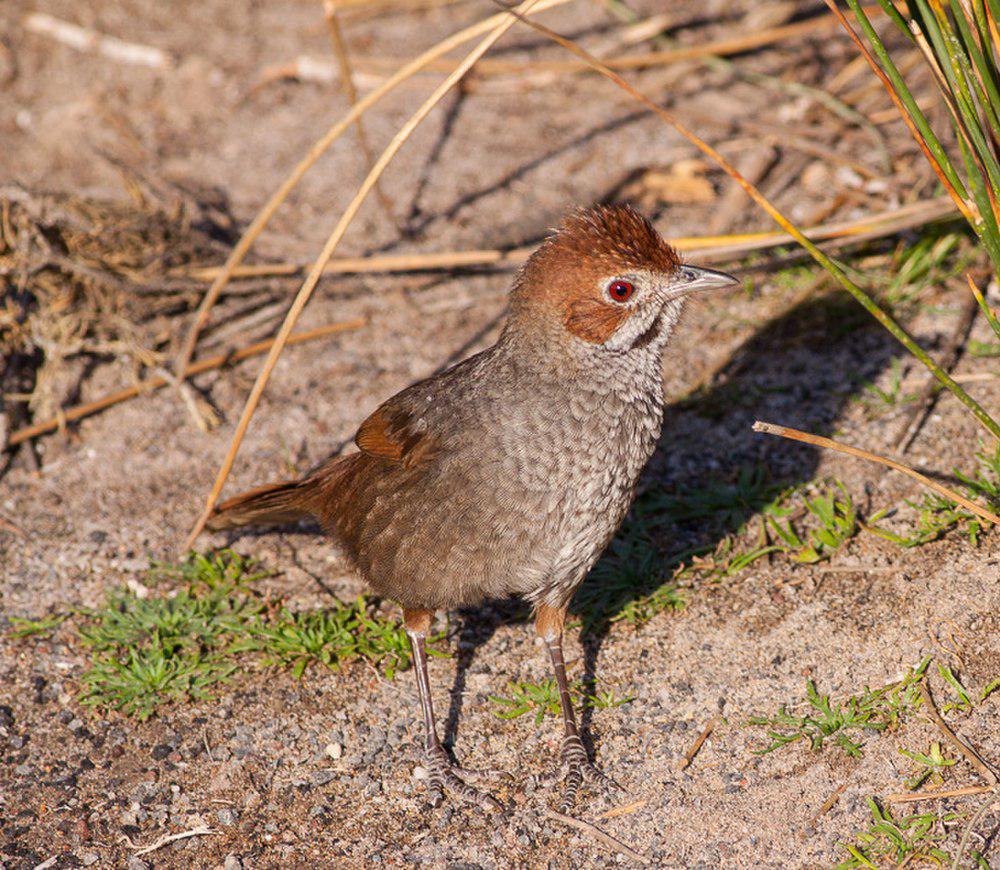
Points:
(691, 278)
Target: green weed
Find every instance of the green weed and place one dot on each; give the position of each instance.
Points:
(543, 699)
(146, 651)
(328, 637)
(937, 515)
(905, 841)
(929, 763)
(37, 627)
(842, 723)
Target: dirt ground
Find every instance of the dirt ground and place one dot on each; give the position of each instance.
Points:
(495, 166)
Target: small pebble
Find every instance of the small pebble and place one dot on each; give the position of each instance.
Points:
(226, 817)
(335, 751)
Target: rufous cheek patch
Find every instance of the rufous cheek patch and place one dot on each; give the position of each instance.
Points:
(593, 320)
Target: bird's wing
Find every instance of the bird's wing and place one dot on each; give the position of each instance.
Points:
(395, 431)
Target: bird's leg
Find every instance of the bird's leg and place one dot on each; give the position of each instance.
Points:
(442, 772)
(573, 755)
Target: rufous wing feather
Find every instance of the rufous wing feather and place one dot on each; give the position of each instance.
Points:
(393, 432)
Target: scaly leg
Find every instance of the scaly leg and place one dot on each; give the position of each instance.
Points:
(573, 755)
(442, 772)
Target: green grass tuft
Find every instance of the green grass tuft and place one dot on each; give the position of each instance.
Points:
(845, 723)
(543, 699)
(147, 651)
(909, 841)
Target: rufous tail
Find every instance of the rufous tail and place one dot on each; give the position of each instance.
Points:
(270, 505)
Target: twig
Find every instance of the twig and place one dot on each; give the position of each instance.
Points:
(819, 441)
(732, 45)
(911, 797)
(7, 525)
(921, 409)
(625, 810)
(203, 365)
(318, 149)
(305, 291)
(347, 77)
(967, 835)
(709, 248)
(167, 839)
(85, 39)
(970, 754)
(827, 805)
(599, 835)
(696, 746)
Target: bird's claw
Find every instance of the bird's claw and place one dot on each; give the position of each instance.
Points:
(575, 768)
(443, 776)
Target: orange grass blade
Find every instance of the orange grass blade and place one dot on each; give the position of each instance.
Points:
(820, 441)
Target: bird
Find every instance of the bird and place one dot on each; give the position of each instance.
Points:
(509, 473)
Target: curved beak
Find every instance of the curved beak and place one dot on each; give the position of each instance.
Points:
(691, 278)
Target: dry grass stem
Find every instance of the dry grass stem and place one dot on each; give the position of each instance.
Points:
(85, 39)
(264, 216)
(625, 810)
(710, 248)
(732, 45)
(970, 754)
(87, 408)
(167, 839)
(828, 804)
(597, 834)
(347, 79)
(696, 746)
(820, 441)
(302, 297)
(908, 797)
(971, 827)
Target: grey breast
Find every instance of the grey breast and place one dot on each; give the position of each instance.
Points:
(532, 478)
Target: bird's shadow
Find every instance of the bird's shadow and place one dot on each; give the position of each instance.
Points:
(800, 368)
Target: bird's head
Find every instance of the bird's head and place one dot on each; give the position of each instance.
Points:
(606, 283)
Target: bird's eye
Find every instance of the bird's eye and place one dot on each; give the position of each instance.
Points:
(621, 291)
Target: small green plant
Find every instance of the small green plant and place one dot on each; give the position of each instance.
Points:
(543, 699)
(937, 515)
(930, 763)
(878, 400)
(842, 723)
(328, 637)
(37, 627)
(146, 651)
(905, 841)
(835, 522)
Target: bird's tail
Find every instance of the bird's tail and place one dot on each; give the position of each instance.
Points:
(269, 505)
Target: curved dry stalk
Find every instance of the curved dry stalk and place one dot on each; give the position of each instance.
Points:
(315, 152)
(869, 304)
(347, 79)
(302, 297)
(820, 441)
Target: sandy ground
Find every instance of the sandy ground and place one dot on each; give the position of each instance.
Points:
(495, 167)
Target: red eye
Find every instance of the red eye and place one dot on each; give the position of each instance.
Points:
(621, 291)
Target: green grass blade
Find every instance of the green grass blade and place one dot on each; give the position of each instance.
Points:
(906, 98)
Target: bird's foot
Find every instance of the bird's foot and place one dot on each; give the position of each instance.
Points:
(443, 776)
(575, 768)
